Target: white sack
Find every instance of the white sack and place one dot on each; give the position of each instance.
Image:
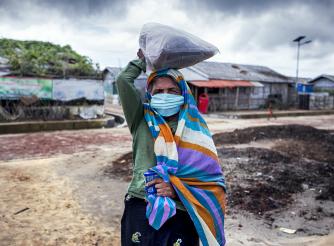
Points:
(167, 47)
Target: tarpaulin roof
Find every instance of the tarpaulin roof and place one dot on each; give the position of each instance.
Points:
(230, 71)
(221, 83)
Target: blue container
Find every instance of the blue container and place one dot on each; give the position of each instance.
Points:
(149, 176)
(304, 88)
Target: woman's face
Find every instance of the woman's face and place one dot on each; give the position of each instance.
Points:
(165, 85)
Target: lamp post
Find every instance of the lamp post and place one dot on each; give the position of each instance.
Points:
(299, 43)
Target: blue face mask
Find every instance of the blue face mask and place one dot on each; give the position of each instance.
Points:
(167, 104)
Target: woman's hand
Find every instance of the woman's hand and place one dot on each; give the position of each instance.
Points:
(140, 54)
(163, 188)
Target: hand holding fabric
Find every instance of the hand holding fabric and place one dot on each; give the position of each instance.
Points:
(163, 188)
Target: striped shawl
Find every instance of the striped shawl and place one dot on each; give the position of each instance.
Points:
(188, 160)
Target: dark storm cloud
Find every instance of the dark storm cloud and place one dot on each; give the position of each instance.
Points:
(86, 7)
(269, 24)
(71, 9)
(248, 7)
(241, 28)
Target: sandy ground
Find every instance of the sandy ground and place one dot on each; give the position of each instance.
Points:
(217, 124)
(54, 215)
(70, 202)
(54, 191)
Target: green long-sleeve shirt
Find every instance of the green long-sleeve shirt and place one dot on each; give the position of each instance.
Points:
(142, 140)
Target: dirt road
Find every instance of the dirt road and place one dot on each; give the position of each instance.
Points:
(59, 177)
(217, 124)
(56, 189)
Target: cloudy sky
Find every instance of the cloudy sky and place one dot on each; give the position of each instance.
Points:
(248, 32)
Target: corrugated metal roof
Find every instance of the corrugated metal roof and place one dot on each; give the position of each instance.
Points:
(192, 74)
(327, 76)
(229, 71)
(225, 71)
(221, 83)
(302, 80)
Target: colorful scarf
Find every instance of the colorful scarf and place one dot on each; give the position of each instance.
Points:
(188, 160)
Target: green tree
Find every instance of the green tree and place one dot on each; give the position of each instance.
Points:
(36, 58)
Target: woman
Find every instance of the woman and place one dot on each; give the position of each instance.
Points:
(171, 139)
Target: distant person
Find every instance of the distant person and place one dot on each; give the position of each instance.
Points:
(270, 112)
(171, 139)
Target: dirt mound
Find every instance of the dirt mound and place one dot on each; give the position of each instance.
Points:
(121, 168)
(297, 132)
(261, 180)
(298, 141)
(319, 150)
(327, 192)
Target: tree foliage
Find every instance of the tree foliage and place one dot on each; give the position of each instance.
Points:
(36, 58)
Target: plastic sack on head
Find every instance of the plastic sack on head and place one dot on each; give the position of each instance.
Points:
(166, 47)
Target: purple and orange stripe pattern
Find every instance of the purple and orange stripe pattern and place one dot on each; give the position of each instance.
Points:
(188, 160)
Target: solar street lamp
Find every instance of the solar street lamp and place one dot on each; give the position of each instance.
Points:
(299, 43)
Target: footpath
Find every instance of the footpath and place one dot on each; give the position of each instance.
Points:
(115, 117)
(254, 114)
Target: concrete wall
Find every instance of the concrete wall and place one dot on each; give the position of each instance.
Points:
(36, 126)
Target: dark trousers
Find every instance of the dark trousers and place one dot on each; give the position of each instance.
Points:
(135, 229)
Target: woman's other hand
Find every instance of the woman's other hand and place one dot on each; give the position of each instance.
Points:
(163, 188)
